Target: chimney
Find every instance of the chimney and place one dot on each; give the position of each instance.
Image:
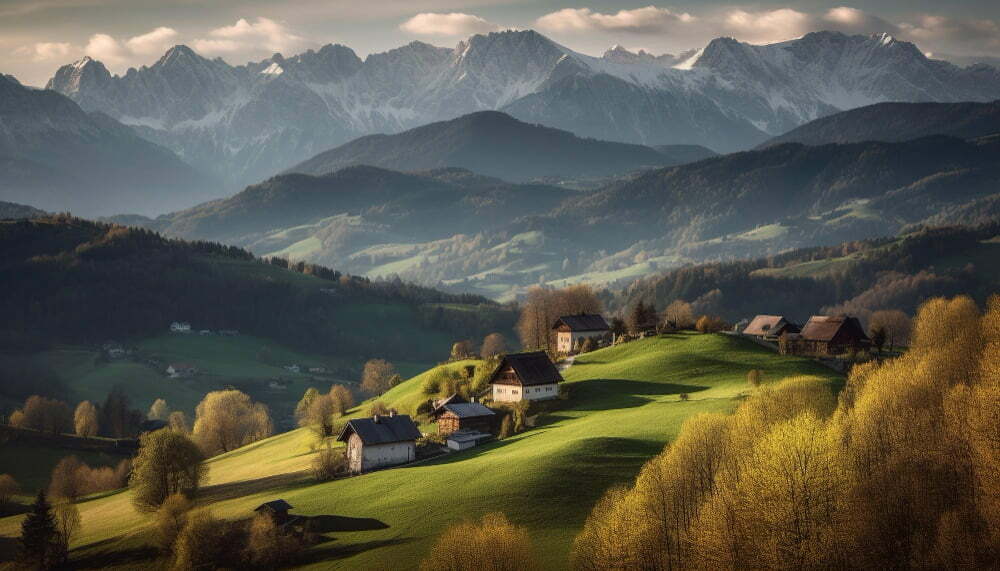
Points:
(375, 418)
(392, 412)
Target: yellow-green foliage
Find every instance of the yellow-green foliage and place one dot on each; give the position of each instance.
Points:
(902, 473)
(493, 543)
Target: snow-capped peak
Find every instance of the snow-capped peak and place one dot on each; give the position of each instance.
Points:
(689, 62)
(273, 69)
(885, 39)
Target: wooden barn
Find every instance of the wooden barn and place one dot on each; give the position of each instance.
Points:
(452, 417)
(379, 441)
(525, 376)
(571, 330)
(769, 327)
(825, 336)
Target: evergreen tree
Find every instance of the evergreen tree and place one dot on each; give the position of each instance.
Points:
(38, 535)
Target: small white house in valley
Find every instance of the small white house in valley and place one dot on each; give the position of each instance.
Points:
(380, 441)
(180, 327)
(525, 376)
(178, 370)
(571, 330)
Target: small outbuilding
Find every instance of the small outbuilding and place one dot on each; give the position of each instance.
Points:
(571, 330)
(380, 441)
(457, 416)
(465, 439)
(769, 327)
(177, 370)
(525, 376)
(277, 510)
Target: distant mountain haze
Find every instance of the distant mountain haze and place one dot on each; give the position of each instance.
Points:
(495, 144)
(57, 157)
(245, 123)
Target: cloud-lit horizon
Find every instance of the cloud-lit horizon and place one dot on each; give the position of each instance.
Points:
(34, 41)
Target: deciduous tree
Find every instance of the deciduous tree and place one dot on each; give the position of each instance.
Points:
(492, 543)
(228, 419)
(85, 419)
(494, 345)
(168, 463)
(376, 375)
(158, 410)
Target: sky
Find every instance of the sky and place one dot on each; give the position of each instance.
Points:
(38, 36)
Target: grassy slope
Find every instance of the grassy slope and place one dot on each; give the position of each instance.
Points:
(624, 407)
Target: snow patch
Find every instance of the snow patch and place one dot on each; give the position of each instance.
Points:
(689, 62)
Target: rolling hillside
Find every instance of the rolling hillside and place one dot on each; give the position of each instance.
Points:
(495, 144)
(623, 408)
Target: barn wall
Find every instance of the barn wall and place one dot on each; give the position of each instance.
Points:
(379, 455)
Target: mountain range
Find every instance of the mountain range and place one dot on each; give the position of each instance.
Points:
(57, 157)
(495, 144)
(459, 230)
(245, 123)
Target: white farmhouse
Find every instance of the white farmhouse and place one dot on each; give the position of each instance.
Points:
(180, 327)
(571, 330)
(379, 441)
(525, 376)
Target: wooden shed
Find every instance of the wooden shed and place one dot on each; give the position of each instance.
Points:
(825, 336)
(452, 417)
(769, 327)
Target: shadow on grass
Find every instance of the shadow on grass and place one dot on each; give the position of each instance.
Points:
(473, 452)
(607, 394)
(13, 508)
(233, 490)
(105, 553)
(328, 552)
(332, 523)
(8, 548)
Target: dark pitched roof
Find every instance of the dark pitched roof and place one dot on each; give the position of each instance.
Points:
(532, 368)
(583, 322)
(824, 328)
(453, 399)
(274, 506)
(381, 429)
(467, 410)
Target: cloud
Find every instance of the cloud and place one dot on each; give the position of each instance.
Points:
(940, 31)
(648, 20)
(451, 24)
(853, 21)
(248, 38)
(106, 49)
(152, 43)
(767, 26)
(45, 51)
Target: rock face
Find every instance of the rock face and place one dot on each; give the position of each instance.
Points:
(248, 122)
(55, 156)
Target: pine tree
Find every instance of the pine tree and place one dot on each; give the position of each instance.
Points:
(38, 534)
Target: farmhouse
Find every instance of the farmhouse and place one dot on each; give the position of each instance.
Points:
(180, 327)
(525, 376)
(176, 370)
(453, 417)
(379, 441)
(826, 336)
(573, 329)
(769, 327)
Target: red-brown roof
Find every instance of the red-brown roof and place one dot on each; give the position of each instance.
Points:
(826, 328)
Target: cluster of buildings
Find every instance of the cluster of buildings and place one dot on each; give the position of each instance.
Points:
(184, 327)
(821, 336)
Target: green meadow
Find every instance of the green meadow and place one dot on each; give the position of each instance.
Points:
(624, 405)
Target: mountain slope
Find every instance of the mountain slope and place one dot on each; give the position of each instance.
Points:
(10, 210)
(493, 144)
(247, 122)
(898, 122)
(56, 157)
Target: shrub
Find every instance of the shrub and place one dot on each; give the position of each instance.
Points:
(755, 377)
(267, 546)
(329, 463)
(493, 543)
(8, 489)
(170, 520)
(684, 397)
(710, 324)
(206, 542)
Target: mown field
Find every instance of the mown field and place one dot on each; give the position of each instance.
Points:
(624, 406)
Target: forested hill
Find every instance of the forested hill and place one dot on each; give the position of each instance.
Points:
(895, 121)
(855, 277)
(68, 280)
